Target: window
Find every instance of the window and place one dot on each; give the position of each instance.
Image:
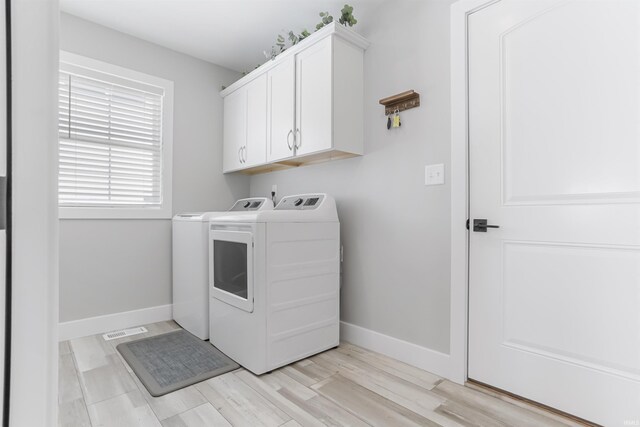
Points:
(115, 137)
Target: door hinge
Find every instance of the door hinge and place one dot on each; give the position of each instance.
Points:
(467, 223)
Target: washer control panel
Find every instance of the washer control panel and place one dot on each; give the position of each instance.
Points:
(303, 202)
(247, 205)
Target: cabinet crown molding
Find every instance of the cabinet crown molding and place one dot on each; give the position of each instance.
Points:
(333, 29)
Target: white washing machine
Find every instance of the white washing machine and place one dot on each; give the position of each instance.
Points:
(275, 282)
(191, 266)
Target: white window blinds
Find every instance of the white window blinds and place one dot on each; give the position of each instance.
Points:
(110, 141)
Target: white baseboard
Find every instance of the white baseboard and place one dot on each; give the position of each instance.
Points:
(110, 322)
(412, 354)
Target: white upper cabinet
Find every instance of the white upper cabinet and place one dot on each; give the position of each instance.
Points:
(255, 152)
(314, 93)
(312, 108)
(245, 126)
(234, 130)
(281, 110)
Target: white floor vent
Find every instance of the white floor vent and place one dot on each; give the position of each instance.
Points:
(124, 333)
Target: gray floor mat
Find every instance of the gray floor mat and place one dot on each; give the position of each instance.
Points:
(168, 362)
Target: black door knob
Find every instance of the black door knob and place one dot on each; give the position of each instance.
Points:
(480, 225)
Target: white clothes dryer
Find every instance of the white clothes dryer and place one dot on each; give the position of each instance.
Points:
(275, 282)
(191, 266)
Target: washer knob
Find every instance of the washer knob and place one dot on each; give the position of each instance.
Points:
(298, 202)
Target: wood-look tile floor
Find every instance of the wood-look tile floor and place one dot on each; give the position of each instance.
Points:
(347, 386)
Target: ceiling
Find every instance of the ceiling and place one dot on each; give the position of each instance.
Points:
(231, 33)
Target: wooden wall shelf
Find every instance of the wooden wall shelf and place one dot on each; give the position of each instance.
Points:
(402, 101)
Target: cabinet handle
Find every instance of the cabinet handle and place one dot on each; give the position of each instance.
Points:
(288, 143)
(244, 154)
(240, 154)
(297, 140)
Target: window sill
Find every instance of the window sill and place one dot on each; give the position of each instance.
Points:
(114, 213)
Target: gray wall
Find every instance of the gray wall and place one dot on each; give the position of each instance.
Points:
(110, 266)
(395, 231)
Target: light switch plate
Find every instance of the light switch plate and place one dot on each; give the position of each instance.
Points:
(434, 174)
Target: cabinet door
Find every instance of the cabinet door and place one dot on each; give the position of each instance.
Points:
(314, 90)
(281, 101)
(234, 129)
(255, 151)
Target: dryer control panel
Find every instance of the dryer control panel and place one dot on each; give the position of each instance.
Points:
(248, 204)
(300, 202)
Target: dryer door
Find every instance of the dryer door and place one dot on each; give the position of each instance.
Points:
(231, 267)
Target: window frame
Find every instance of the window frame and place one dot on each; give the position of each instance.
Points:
(165, 210)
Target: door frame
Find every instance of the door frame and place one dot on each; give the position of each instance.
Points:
(34, 344)
(459, 304)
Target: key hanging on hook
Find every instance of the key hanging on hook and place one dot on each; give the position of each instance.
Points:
(396, 119)
(389, 121)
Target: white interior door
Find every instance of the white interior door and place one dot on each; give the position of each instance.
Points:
(554, 134)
